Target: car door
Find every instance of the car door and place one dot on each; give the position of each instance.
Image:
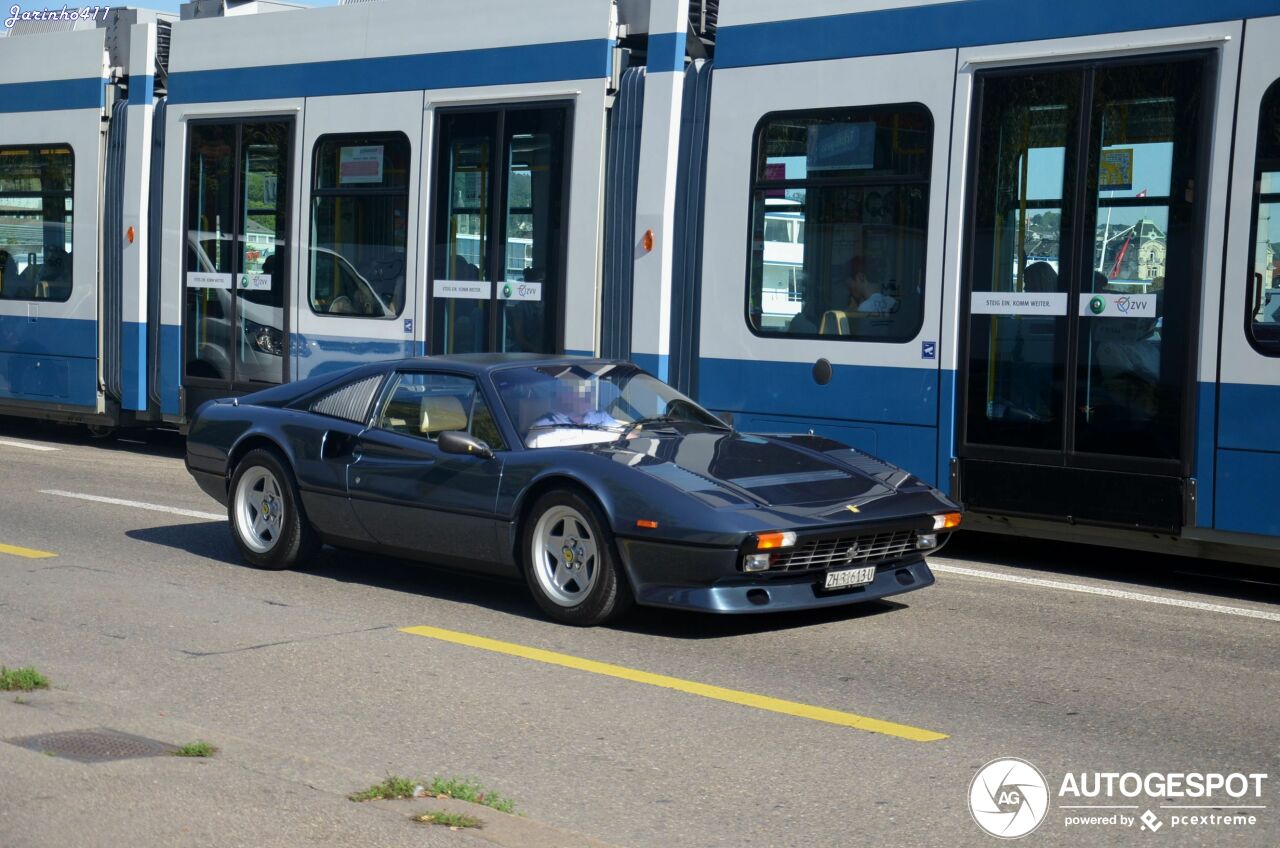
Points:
(411, 496)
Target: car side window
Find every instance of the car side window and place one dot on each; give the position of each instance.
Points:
(484, 427)
(424, 405)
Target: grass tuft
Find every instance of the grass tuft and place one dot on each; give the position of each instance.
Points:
(453, 821)
(389, 789)
(21, 679)
(469, 790)
(196, 749)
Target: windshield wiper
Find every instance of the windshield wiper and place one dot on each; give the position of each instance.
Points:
(645, 422)
(573, 425)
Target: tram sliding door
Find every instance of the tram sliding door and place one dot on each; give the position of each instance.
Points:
(501, 204)
(1081, 289)
(236, 256)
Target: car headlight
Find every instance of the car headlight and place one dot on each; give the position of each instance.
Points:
(264, 339)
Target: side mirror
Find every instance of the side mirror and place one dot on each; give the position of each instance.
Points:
(456, 441)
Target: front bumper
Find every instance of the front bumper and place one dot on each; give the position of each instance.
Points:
(709, 580)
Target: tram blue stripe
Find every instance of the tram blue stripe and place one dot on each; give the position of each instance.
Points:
(320, 354)
(53, 95)
(666, 52)
(967, 23)
(1247, 417)
(657, 364)
(946, 429)
(866, 393)
(170, 368)
(1246, 481)
(41, 336)
(526, 63)
(133, 366)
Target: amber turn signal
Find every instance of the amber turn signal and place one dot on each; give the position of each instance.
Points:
(946, 521)
(769, 541)
(646, 524)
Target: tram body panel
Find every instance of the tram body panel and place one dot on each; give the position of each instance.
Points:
(882, 395)
(1248, 449)
(49, 331)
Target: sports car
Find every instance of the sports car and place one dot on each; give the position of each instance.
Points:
(597, 483)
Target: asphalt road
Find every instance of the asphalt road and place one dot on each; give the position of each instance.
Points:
(1080, 660)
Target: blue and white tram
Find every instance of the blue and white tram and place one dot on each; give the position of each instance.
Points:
(252, 198)
(1038, 263)
(1024, 250)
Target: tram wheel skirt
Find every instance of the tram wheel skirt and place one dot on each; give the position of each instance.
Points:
(1074, 495)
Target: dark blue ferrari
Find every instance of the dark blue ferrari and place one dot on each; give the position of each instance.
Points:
(600, 484)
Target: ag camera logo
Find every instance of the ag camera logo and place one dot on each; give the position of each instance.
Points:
(1008, 798)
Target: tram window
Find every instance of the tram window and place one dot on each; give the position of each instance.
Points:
(36, 222)
(359, 225)
(840, 204)
(1264, 284)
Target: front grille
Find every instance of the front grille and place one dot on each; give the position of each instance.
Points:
(846, 550)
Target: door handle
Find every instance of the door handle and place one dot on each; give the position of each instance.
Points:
(334, 445)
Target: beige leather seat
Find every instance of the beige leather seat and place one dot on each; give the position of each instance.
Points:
(439, 413)
(835, 322)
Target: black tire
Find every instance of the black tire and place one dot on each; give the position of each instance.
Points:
(101, 432)
(293, 539)
(608, 594)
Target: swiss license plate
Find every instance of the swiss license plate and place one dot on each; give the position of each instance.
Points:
(847, 577)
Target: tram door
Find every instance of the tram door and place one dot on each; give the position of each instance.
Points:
(499, 229)
(237, 257)
(1081, 290)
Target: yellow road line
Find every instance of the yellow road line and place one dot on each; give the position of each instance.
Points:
(25, 553)
(733, 696)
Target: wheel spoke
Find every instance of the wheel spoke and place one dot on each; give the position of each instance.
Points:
(260, 525)
(561, 576)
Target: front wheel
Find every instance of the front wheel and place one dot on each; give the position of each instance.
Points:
(266, 513)
(570, 562)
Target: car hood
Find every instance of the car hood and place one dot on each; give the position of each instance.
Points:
(802, 476)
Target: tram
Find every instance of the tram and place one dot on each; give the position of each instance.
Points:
(1022, 250)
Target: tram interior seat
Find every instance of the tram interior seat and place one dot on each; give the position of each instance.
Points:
(835, 322)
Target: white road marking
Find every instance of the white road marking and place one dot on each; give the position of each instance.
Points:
(10, 444)
(189, 513)
(1122, 594)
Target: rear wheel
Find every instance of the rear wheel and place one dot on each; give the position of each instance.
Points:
(570, 562)
(266, 515)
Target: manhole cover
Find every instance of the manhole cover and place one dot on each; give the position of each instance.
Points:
(93, 746)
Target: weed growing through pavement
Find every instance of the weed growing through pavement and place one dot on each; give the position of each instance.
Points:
(469, 790)
(21, 679)
(196, 749)
(439, 787)
(453, 821)
(389, 789)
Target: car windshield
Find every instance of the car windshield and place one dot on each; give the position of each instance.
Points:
(572, 404)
